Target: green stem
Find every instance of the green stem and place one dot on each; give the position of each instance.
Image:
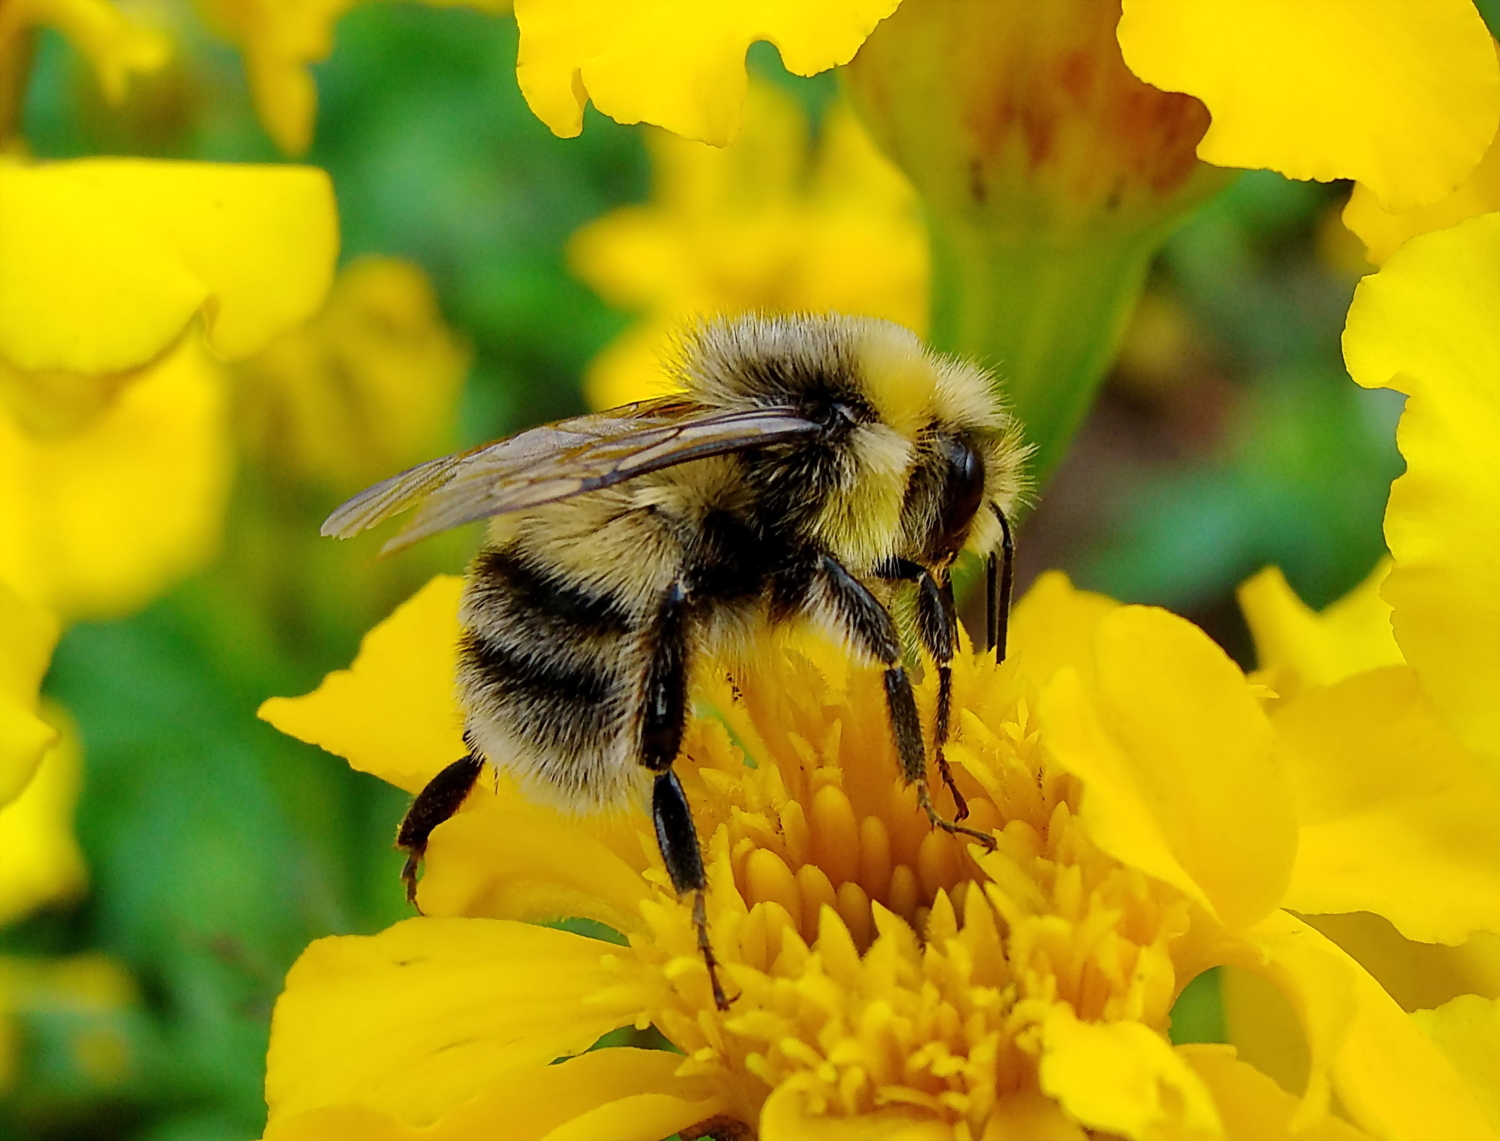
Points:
(1047, 313)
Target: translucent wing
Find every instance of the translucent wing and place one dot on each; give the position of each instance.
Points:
(557, 461)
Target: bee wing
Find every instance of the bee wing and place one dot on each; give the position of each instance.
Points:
(557, 461)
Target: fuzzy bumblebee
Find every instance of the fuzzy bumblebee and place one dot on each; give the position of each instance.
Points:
(809, 464)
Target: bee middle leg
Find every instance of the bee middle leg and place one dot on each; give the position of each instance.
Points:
(663, 718)
(937, 627)
(868, 624)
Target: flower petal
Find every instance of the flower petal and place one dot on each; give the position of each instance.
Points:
(1417, 975)
(1425, 325)
(147, 481)
(1176, 761)
(673, 62)
(393, 712)
(1252, 1106)
(1303, 648)
(1390, 1079)
(27, 635)
(1123, 1078)
(113, 45)
(1402, 97)
(1397, 817)
(424, 1015)
(620, 1093)
(1053, 626)
(785, 1117)
(142, 247)
(506, 859)
(1383, 233)
(40, 860)
(1467, 1031)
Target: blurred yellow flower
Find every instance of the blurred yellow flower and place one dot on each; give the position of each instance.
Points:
(1404, 671)
(767, 223)
(40, 861)
(673, 63)
(95, 991)
(104, 262)
(97, 520)
(27, 635)
(280, 40)
(114, 45)
(887, 978)
(367, 387)
(1402, 97)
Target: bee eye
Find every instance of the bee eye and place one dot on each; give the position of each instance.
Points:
(963, 492)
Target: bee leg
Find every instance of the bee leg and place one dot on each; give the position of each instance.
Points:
(440, 799)
(869, 626)
(937, 626)
(1000, 579)
(663, 717)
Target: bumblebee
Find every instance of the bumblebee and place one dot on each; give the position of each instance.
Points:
(809, 465)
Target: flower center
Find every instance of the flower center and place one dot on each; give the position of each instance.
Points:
(873, 960)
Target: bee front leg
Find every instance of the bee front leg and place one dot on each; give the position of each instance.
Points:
(937, 626)
(443, 795)
(663, 718)
(869, 626)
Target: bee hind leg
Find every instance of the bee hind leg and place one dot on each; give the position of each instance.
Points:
(443, 795)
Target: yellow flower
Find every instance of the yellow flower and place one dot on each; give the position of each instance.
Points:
(40, 861)
(365, 388)
(114, 45)
(96, 521)
(27, 635)
(1404, 670)
(761, 225)
(674, 63)
(280, 40)
(889, 981)
(94, 991)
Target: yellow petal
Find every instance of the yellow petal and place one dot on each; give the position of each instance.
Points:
(1122, 1078)
(673, 62)
(1467, 1031)
(393, 712)
(507, 859)
(39, 857)
(1402, 97)
(1390, 1079)
(1397, 817)
(1383, 233)
(1426, 325)
(1252, 1106)
(146, 482)
(1176, 761)
(785, 1117)
(1302, 648)
(619, 1093)
(27, 635)
(425, 1015)
(1417, 975)
(113, 45)
(1053, 626)
(143, 247)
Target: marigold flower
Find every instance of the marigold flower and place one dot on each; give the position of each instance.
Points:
(40, 861)
(113, 44)
(761, 225)
(27, 635)
(887, 976)
(280, 41)
(365, 388)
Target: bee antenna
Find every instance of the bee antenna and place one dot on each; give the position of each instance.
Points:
(1001, 578)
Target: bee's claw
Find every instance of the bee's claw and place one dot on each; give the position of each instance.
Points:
(952, 827)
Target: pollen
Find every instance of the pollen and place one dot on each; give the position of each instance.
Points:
(874, 962)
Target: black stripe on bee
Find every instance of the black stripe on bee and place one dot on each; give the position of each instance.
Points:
(538, 595)
(568, 703)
